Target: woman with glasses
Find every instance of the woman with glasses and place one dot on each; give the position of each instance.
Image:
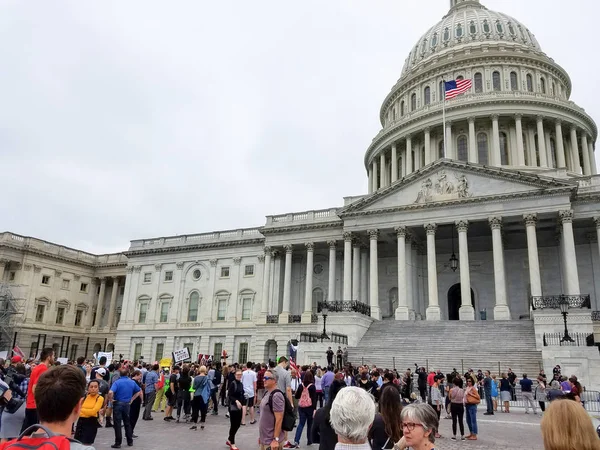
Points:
(419, 424)
(236, 401)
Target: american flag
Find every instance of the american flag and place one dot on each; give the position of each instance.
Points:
(456, 87)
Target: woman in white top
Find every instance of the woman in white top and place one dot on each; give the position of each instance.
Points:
(319, 387)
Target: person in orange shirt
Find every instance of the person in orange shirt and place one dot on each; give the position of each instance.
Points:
(87, 425)
(47, 360)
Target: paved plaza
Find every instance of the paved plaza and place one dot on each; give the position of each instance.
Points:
(501, 431)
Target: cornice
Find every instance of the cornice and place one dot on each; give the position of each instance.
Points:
(301, 227)
(187, 248)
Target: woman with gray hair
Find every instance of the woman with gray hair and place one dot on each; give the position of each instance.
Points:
(352, 415)
(420, 423)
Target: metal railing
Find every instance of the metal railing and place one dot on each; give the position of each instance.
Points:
(314, 318)
(595, 316)
(294, 318)
(313, 336)
(579, 340)
(273, 319)
(346, 306)
(554, 301)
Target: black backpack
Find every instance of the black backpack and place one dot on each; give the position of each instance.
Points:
(289, 419)
(217, 378)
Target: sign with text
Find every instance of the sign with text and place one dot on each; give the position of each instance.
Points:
(109, 356)
(181, 355)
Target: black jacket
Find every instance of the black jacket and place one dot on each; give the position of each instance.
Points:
(322, 433)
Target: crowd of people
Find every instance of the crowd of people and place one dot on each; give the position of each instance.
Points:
(350, 408)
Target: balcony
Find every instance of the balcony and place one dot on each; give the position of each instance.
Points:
(579, 340)
(346, 306)
(554, 301)
(273, 319)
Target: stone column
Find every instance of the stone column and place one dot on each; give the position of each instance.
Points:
(402, 312)
(532, 253)
(375, 178)
(410, 288)
(100, 305)
(520, 146)
(592, 156)
(449, 151)
(3, 264)
(264, 306)
(597, 222)
(370, 182)
(417, 164)
(531, 147)
(347, 266)
(570, 261)
(433, 311)
(575, 150)
(541, 141)
(585, 151)
(383, 170)
(427, 140)
(560, 148)
(394, 163)
(364, 274)
(501, 310)
(310, 253)
(287, 285)
(356, 271)
(331, 285)
(113, 303)
(472, 141)
(496, 157)
(466, 311)
(409, 164)
(374, 276)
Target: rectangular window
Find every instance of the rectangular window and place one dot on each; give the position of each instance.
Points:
(225, 272)
(148, 277)
(169, 275)
(33, 350)
(46, 279)
(249, 270)
(83, 287)
(78, 317)
(218, 350)
(143, 311)
(164, 312)
(60, 316)
(65, 284)
(11, 276)
(246, 309)
(137, 352)
(160, 349)
(243, 355)
(74, 354)
(222, 309)
(39, 313)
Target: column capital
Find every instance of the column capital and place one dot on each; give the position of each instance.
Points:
(430, 228)
(573, 128)
(103, 279)
(448, 124)
(558, 123)
(115, 280)
(373, 234)
(213, 262)
(393, 145)
(592, 237)
(518, 116)
(237, 260)
(129, 269)
(137, 269)
(267, 249)
(347, 236)
(401, 231)
(597, 221)
(566, 216)
(261, 258)
(471, 119)
(495, 223)
(427, 130)
(539, 118)
(4, 262)
(310, 246)
(57, 273)
(288, 248)
(157, 267)
(530, 219)
(180, 265)
(332, 245)
(495, 117)
(462, 225)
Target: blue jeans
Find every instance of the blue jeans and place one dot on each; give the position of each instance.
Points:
(326, 394)
(488, 402)
(121, 416)
(472, 418)
(306, 415)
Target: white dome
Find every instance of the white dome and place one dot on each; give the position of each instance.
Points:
(469, 23)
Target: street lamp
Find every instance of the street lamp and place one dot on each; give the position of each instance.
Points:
(324, 311)
(453, 258)
(564, 309)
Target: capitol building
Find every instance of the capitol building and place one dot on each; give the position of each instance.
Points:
(499, 227)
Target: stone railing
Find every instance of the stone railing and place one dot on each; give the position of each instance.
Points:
(273, 319)
(554, 301)
(345, 306)
(578, 340)
(191, 239)
(306, 216)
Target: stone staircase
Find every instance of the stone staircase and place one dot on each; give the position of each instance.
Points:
(493, 345)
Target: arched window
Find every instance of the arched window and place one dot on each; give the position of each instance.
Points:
(526, 153)
(529, 83)
(413, 102)
(434, 40)
(543, 85)
(460, 77)
(482, 148)
(463, 151)
(193, 307)
(441, 149)
(427, 95)
(486, 27)
(499, 27)
(514, 82)
(472, 27)
(478, 82)
(511, 29)
(446, 36)
(496, 81)
(459, 30)
(553, 152)
(401, 108)
(503, 149)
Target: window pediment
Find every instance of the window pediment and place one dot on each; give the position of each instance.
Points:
(82, 306)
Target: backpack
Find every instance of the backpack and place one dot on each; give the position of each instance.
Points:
(217, 378)
(305, 400)
(52, 442)
(289, 419)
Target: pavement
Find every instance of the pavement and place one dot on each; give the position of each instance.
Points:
(497, 432)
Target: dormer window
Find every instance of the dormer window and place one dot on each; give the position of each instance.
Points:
(511, 29)
(499, 27)
(486, 27)
(459, 31)
(473, 28)
(424, 46)
(446, 34)
(434, 40)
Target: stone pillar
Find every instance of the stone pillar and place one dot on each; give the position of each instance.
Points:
(375, 176)
(347, 266)
(560, 148)
(587, 170)
(356, 271)
(364, 275)
(331, 283)
(532, 253)
(310, 253)
(264, 306)
(427, 140)
(449, 151)
(3, 264)
(394, 163)
(287, 285)
(433, 311)
(592, 156)
(374, 276)
(501, 309)
(418, 158)
(370, 186)
(409, 164)
(472, 141)
(100, 304)
(575, 150)
(402, 312)
(570, 261)
(113, 303)
(597, 222)
(410, 288)
(383, 171)
(531, 147)
(466, 311)
(496, 158)
(520, 146)
(541, 141)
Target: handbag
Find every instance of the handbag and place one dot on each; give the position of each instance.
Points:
(473, 397)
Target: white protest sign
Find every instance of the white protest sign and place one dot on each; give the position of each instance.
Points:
(181, 355)
(4, 354)
(109, 356)
(63, 360)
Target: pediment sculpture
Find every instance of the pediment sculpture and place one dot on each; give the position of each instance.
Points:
(444, 188)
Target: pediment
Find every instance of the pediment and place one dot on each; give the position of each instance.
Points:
(448, 182)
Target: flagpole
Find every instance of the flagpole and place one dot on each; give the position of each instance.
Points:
(444, 116)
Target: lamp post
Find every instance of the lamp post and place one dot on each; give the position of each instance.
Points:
(564, 309)
(324, 311)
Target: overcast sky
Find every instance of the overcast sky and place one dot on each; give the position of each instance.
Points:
(128, 120)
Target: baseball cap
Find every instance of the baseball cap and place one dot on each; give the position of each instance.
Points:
(282, 359)
(16, 359)
(101, 371)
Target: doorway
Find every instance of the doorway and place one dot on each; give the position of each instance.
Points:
(454, 301)
(270, 350)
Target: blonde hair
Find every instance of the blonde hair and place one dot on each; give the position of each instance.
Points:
(566, 424)
(202, 369)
